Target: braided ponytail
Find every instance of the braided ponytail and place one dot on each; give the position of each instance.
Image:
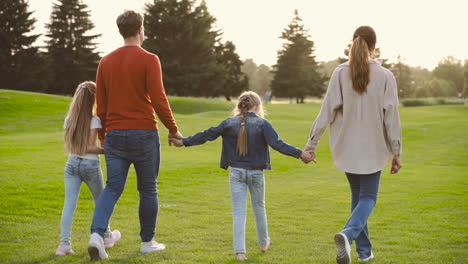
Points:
(247, 101)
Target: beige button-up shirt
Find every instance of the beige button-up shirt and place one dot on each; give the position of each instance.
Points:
(365, 128)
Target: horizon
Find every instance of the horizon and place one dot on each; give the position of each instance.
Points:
(426, 40)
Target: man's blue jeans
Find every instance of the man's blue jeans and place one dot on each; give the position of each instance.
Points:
(122, 148)
(364, 190)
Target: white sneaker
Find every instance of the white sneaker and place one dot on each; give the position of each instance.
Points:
(366, 259)
(96, 248)
(343, 255)
(152, 246)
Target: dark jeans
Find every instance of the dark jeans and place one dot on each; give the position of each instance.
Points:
(364, 190)
(122, 148)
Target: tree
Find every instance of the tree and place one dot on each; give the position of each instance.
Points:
(403, 78)
(234, 80)
(71, 52)
(259, 76)
(435, 88)
(20, 65)
(465, 87)
(182, 35)
(451, 69)
(295, 74)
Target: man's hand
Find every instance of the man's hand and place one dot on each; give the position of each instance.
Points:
(177, 142)
(396, 165)
(176, 135)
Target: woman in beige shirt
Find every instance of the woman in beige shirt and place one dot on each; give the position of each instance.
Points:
(361, 106)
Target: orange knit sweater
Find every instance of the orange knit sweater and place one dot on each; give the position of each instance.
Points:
(130, 91)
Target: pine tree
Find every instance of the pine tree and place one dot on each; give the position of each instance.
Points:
(235, 81)
(182, 35)
(295, 74)
(71, 51)
(19, 60)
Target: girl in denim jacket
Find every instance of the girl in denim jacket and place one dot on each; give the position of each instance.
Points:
(81, 128)
(246, 137)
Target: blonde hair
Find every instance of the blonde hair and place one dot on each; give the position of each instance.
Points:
(77, 127)
(247, 101)
(364, 39)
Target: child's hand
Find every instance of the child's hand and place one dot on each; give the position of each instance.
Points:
(308, 155)
(177, 142)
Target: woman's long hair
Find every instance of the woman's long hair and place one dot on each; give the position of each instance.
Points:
(77, 127)
(247, 101)
(362, 49)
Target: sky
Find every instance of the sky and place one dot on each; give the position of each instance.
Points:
(422, 32)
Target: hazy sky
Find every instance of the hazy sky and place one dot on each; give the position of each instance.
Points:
(421, 31)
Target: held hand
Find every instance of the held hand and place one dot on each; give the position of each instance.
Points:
(308, 156)
(396, 165)
(177, 142)
(176, 135)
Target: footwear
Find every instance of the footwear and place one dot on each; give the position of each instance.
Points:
(343, 254)
(366, 259)
(152, 246)
(96, 248)
(63, 250)
(265, 248)
(241, 257)
(110, 241)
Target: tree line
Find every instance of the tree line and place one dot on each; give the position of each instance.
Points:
(195, 60)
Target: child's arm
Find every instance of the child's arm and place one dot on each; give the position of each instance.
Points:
(92, 147)
(210, 134)
(272, 138)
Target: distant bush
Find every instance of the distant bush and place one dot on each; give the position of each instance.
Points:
(431, 101)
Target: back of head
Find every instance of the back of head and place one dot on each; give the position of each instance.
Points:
(129, 22)
(248, 101)
(363, 46)
(79, 117)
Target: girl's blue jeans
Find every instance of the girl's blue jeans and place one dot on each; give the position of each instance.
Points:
(253, 180)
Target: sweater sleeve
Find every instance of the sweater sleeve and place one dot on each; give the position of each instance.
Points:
(155, 88)
(101, 103)
(391, 116)
(333, 101)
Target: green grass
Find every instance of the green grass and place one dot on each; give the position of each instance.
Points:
(432, 101)
(420, 216)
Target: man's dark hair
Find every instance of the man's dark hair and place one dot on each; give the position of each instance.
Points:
(129, 22)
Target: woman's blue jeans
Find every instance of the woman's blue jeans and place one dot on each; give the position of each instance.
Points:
(364, 190)
(253, 180)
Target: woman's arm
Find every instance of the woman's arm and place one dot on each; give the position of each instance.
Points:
(331, 104)
(92, 147)
(199, 138)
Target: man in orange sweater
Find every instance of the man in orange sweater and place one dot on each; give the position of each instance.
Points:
(129, 92)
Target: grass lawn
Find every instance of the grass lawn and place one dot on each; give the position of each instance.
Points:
(421, 214)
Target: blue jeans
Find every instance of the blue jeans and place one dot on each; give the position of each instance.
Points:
(79, 170)
(122, 148)
(364, 190)
(240, 180)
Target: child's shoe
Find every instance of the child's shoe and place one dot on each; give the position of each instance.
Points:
(241, 257)
(63, 250)
(110, 241)
(265, 248)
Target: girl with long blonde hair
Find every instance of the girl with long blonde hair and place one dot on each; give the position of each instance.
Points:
(81, 127)
(246, 137)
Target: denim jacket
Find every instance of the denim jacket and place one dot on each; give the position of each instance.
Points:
(260, 134)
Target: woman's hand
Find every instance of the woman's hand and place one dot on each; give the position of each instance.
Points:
(396, 165)
(308, 155)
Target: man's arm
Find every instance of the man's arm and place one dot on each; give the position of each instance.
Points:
(101, 102)
(155, 87)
